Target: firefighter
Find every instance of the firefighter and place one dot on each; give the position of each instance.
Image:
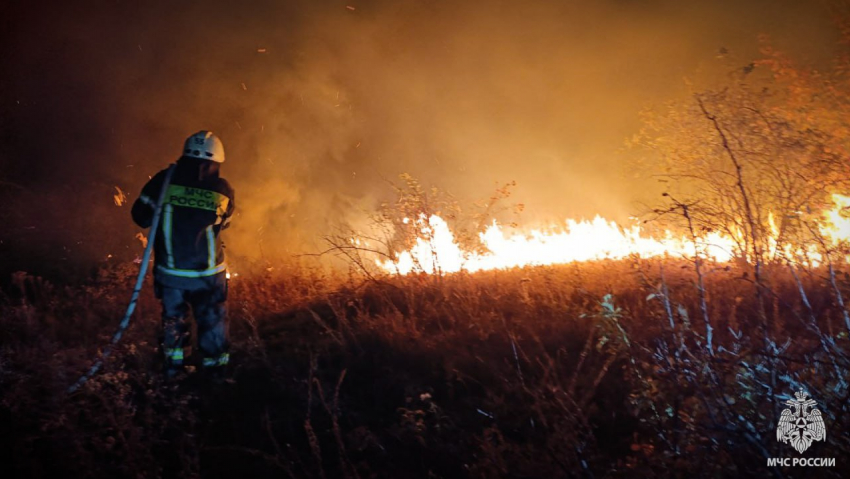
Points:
(189, 254)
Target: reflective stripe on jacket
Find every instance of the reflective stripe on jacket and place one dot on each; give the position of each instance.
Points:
(195, 210)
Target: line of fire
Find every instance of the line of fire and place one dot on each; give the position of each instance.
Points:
(403, 239)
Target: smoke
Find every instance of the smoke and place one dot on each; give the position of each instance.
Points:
(319, 103)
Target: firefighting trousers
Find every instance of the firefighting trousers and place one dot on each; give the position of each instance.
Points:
(206, 297)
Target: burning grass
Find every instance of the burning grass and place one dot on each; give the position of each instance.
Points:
(597, 369)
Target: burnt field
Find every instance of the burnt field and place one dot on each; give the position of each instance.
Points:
(600, 369)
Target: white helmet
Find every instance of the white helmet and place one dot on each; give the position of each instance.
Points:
(204, 145)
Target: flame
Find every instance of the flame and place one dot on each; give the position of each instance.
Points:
(837, 220)
(142, 239)
(436, 249)
(119, 198)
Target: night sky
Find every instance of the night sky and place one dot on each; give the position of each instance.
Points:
(320, 102)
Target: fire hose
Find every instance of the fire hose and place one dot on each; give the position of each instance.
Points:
(140, 281)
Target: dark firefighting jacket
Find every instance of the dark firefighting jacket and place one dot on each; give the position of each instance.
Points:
(195, 210)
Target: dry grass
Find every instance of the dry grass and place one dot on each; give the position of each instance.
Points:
(571, 371)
